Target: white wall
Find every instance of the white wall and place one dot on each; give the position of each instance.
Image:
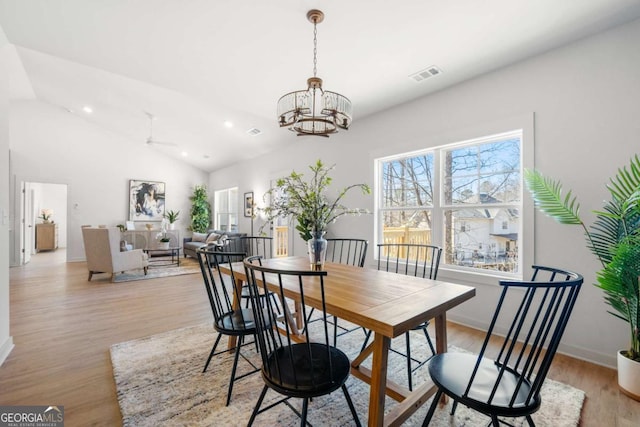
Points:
(6, 341)
(50, 145)
(585, 99)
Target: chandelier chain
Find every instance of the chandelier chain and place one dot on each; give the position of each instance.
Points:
(315, 48)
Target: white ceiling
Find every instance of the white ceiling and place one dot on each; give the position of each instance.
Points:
(195, 64)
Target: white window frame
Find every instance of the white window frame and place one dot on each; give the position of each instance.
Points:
(231, 196)
(523, 124)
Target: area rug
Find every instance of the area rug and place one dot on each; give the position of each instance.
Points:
(187, 266)
(159, 381)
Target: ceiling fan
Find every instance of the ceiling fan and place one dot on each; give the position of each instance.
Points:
(150, 140)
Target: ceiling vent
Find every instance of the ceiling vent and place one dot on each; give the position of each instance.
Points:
(254, 131)
(426, 73)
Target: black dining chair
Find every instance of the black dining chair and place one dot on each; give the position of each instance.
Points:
(304, 370)
(226, 320)
(351, 252)
(411, 259)
(347, 251)
(252, 246)
(534, 313)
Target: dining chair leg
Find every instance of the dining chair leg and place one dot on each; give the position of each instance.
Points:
(366, 340)
(335, 331)
(257, 407)
(408, 342)
(305, 408)
(213, 350)
(530, 421)
(432, 408)
(351, 407)
(495, 421)
(233, 370)
(426, 334)
(275, 302)
(454, 406)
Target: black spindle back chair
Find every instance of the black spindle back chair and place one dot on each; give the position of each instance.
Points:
(410, 259)
(226, 320)
(306, 369)
(347, 251)
(536, 314)
(252, 245)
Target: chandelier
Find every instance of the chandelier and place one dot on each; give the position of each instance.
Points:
(314, 111)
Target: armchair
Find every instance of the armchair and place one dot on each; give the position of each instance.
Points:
(102, 250)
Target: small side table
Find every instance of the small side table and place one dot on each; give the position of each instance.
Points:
(175, 256)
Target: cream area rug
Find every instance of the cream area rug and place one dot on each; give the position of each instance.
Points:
(187, 266)
(159, 382)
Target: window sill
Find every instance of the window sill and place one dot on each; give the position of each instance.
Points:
(474, 277)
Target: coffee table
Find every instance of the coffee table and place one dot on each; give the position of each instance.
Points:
(175, 256)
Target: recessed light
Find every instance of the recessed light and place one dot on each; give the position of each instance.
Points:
(228, 124)
(87, 109)
(184, 154)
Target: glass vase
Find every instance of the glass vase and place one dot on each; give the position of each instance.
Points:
(317, 250)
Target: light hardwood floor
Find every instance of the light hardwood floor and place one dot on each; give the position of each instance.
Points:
(63, 326)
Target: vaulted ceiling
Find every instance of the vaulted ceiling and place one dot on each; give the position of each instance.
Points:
(196, 64)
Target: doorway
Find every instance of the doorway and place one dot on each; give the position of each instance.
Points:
(41, 200)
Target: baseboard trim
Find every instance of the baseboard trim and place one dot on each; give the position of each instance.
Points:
(602, 359)
(5, 349)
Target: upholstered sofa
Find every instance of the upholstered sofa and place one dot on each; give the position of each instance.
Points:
(191, 244)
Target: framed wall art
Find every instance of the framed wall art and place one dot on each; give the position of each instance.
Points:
(146, 200)
(248, 204)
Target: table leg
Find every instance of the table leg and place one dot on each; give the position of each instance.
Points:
(377, 394)
(441, 333)
(231, 343)
(441, 340)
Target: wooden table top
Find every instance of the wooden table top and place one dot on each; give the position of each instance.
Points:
(387, 303)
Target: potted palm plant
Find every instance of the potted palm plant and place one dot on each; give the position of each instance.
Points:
(307, 203)
(614, 238)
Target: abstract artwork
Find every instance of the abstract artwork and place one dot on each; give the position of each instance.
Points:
(146, 200)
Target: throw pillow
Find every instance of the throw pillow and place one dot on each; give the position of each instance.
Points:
(213, 238)
(199, 237)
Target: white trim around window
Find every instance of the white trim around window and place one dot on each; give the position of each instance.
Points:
(520, 126)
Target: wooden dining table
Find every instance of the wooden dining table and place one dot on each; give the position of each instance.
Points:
(389, 304)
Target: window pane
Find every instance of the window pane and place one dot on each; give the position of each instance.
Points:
(500, 156)
(484, 173)
(408, 182)
(482, 238)
(407, 226)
